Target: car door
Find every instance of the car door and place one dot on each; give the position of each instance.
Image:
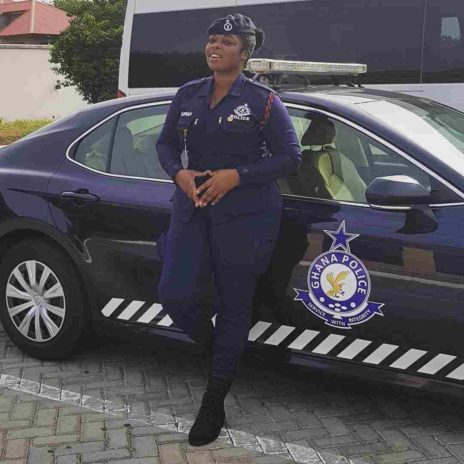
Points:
(112, 200)
(355, 283)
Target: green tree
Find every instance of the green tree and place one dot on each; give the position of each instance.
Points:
(86, 54)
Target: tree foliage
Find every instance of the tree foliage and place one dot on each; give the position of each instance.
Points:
(87, 53)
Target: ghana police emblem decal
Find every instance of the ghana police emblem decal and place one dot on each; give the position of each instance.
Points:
(339, 285)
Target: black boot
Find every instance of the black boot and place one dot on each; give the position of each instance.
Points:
(211, 415)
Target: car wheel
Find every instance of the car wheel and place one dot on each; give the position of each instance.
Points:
(42, 306)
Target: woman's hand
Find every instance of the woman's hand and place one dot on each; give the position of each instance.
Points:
(221, 182)
(185, 179)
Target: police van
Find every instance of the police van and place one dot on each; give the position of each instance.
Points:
(411, 46)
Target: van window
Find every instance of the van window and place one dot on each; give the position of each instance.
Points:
(444, 44)
(316, 30)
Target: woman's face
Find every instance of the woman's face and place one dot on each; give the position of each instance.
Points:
(223, 53)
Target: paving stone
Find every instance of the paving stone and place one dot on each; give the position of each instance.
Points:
(92, 431)
(23, 411)
(365, 432)
(6, 404)
(306, 419)
(179, 389)
(105, 455)
(117, 438)
(144, 446)
(171, 453)
(432, 447)
(330, 458)
(40, 456)
(68, 424)
(15, 448)
(171, 437)
(151, 460)
(383, 424)
(78, 448)
(399, 457)
(45, 418)
(396, 439)
(361, 449)
(200, 457)
(15, 424)
(335, 426)
(304, 434)
(329, 442)
(457, 450)
(439, 461)
(146, 430)
(272, 459)
(424, 430)
(30, 432)
(448, 438)
(228, 453)
(270, 426)
(55, 439)
(67, 459)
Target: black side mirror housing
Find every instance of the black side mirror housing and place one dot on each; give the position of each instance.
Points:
(397, 191)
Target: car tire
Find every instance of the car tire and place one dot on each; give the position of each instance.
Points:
(54, 306)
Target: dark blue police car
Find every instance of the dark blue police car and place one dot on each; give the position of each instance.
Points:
(368, 272)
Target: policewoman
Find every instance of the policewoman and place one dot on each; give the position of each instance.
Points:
(239, 139)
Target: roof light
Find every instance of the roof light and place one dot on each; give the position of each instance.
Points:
(269, 66)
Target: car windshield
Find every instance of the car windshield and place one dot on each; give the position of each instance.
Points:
(437, 128)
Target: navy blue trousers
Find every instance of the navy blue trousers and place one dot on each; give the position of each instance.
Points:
(236, 257)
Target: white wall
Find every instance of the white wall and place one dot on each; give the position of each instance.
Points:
(27, 85)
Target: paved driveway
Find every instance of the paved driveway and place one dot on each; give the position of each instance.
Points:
(118, 402)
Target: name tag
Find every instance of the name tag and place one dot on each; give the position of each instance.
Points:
(186, 113)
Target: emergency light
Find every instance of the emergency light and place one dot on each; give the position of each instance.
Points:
(270, 66)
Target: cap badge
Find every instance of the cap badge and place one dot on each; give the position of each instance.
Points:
(227, 26)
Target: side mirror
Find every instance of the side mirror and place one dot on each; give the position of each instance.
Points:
(404, 193)
(395, 191)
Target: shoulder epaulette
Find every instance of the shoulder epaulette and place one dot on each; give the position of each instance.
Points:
(194, 82)
(260, 84)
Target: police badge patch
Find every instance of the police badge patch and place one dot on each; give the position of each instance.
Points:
(243, 110)
(339, 285)
(242, 113)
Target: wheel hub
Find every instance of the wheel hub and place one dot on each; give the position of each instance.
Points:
(35, 301)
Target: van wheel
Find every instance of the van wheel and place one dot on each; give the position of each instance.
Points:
(42, 306)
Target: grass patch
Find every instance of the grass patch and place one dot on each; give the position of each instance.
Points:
(10, 131)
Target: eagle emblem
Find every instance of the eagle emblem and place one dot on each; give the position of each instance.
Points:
(339, 285)
(336, 283)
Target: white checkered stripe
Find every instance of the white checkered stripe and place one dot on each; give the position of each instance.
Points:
(312, 342)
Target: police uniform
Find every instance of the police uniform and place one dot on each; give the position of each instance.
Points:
(235, 238)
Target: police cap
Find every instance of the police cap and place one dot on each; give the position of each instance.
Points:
(237, 24)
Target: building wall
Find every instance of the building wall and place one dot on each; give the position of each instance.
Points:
(30, 39)
(27, 85)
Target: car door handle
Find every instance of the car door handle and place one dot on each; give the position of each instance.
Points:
(80, 195)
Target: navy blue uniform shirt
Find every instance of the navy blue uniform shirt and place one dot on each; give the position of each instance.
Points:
(230, 136)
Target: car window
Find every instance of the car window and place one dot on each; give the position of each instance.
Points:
(339, 162)
(134, 147)
(443, 48)
(93, 150)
